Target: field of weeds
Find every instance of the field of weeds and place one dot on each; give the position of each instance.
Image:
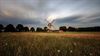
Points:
(49, 44)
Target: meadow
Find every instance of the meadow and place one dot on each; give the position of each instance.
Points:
(50, 44)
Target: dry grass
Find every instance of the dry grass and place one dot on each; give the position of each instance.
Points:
(49, 44)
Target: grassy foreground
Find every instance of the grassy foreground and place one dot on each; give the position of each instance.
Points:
(49, 44)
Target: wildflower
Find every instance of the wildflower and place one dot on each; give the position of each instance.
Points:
(90, 54)
(6, 44)
(71, 51)
(74, 44)
(58, 51)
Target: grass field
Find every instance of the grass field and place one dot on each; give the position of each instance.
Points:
(50, 44)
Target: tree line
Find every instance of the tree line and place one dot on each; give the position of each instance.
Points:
(18, 28)
(21, 28)
(80, 29)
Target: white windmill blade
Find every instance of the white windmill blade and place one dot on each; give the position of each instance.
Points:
(46, 20)
(52, 21)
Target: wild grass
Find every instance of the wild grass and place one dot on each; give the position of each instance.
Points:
(39, 44)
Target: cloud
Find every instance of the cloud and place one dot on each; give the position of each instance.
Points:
(36, 11)
(89, 18)
(70, 19)
(19, 21)
(80, 20)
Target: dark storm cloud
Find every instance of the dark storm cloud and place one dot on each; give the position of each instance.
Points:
(18, 21)
(70, 19)
(90, 18)
(80, 18)
(96, 20)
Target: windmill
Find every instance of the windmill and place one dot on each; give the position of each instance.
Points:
(50, 26)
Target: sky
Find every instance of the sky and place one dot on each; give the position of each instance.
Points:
(37, 13)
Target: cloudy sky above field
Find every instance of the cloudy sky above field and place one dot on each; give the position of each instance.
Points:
(76, 13)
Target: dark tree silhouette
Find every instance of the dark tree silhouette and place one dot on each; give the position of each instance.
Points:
(45, 29)
(32, 29)
(1, 28)
(26, 29)
(39, 29)
(19, 28)
(97, 28)
(63, 28)
(71, 29)
(10, 28)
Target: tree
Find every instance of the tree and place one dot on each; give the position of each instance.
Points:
(1, 27)
(71, 29)
(97, 28)
(19, 28)
(26, 29)
(63, 28)
(10, 28)
(39, 29)
(45, 29)
(32, 29)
